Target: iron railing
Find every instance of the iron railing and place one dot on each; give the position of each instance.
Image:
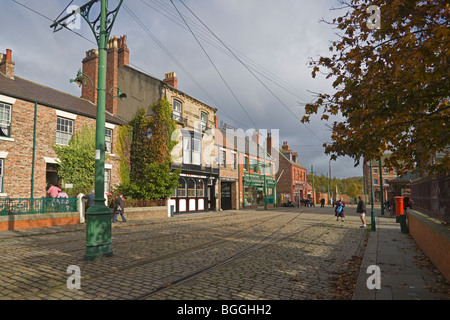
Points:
(17, 206)
(431, 194)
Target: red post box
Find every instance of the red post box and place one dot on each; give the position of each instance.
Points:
(399, 206)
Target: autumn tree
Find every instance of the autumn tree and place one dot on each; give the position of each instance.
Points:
(390, 84)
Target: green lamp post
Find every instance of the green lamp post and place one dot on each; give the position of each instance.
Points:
(372, 211)
(98, 231)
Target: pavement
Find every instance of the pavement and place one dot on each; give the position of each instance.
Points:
(149, 256)
(405, 272)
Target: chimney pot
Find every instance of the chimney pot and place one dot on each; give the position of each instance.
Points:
(171, 79)
(8, 54)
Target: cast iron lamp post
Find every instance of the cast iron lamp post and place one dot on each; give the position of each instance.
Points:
(98, 231)
(372, 211)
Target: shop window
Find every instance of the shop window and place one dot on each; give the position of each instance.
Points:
(200, 188)
(191, 187)
(182, 188)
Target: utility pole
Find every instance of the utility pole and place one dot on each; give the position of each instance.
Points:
(265, 172)
(328, 188)
(314, 194)
(381, 188)
(372, 212)
(98, 230)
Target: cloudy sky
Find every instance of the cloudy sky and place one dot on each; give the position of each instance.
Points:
(265, 87)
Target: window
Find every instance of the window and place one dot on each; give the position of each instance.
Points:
(375, 181)
(182, 187)
(5, 120)
(203, 119)
(191, 187)
(233, 161)
(64, 131)
(192, 148)
(245, 163)
(223, 157)
(253, 165)
(108, 140)
(107, 179)
(385, 170)
(176, 111)
(375, 170)
(200, 188)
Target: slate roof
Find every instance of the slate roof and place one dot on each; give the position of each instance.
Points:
(30, 91)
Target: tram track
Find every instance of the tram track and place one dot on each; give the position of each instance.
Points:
(262, 244)
(228, 238)
(167, 233)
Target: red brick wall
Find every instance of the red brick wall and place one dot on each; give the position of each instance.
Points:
(18, 163)
(433, 238)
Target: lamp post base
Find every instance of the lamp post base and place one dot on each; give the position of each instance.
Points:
(98, 233)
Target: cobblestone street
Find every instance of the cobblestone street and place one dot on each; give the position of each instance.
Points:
(282, 254)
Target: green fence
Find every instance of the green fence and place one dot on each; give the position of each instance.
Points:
(15, 206)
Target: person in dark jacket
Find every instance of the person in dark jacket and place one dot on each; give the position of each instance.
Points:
(119, 209)
(361, 209)
(339, 210)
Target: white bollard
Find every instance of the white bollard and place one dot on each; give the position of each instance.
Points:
(81, 207)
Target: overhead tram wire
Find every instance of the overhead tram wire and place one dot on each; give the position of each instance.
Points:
(205, 35)
(201, 28)
(279, 100)
(80, 35)
(44, 16)
(166, 51)
(209, 58)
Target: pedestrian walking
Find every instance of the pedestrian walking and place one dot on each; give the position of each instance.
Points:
(90, 198)
(339, 210)
(119, 208)
(322, 203)
(361, 209)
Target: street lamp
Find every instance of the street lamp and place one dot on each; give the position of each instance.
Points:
(120, 94)
(372, 211)
(98, 231)
(80, 79)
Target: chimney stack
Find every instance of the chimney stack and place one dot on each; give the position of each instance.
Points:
(6, 64)
(118, 55)
(171, 79)
(285, 146)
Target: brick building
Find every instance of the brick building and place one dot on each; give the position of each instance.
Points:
(387, 174)
(34, 115)
(195, 151)
(291, 175)
(244, 170)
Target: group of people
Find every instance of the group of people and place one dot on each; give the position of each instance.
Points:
(360, 209)
(119, 207)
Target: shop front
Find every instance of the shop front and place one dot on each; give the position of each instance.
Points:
(253, 190)
(196, 192)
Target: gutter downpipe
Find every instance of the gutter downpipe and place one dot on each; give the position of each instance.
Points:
(34, 157)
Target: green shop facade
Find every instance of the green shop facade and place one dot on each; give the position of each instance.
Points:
(253, 190)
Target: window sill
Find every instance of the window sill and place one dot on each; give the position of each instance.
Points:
(6, 139)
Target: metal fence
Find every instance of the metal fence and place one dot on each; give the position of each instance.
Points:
(16, 206)
(432, 195)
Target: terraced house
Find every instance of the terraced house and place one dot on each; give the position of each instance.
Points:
(195, 152)
(33, 118)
